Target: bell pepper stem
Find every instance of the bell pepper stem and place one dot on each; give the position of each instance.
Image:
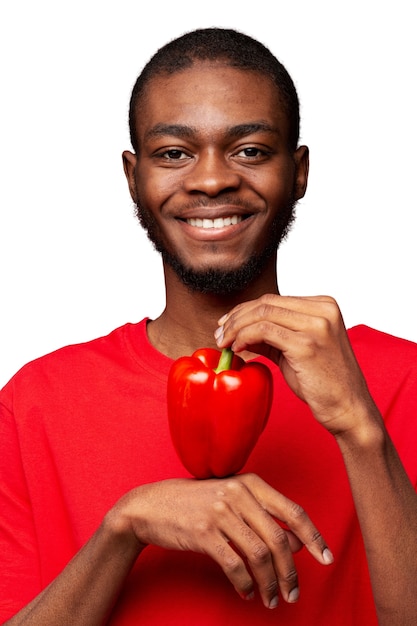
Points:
(225, 361)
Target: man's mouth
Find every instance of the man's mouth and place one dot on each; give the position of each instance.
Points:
(218, 222)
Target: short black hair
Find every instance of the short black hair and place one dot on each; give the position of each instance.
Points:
(210, 44)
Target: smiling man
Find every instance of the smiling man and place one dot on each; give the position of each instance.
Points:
(230, 187)
(100, 522)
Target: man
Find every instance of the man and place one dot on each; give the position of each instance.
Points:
(100, 521)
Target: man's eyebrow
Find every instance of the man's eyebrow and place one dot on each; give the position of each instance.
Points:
(242, 130)
(175, 130)
(187, 132)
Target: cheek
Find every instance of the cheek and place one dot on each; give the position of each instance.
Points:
(277, 197)
(154, 189)
(283, 193)
(275, 183)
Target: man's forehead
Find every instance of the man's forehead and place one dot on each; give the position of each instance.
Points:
(206, 92)
(209, 71)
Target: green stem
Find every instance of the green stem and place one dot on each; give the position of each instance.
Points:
(225, 361)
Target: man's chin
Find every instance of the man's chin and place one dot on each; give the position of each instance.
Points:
(217, 280)
(220, 280)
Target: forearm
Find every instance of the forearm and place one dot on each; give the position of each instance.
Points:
(386, 505)
(86, 590)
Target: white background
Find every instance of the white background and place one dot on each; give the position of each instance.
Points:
(74, 264)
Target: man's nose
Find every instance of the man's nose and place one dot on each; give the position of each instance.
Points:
(211, 175)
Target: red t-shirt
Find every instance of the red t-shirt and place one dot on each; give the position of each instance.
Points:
(85, 424)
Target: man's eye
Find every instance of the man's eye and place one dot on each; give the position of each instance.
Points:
(251, 152)
(174, 154)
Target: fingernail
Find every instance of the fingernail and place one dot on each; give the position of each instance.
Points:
(274, 603)
(327, 556)
(219, 334)
(294, 595)
(222, 319)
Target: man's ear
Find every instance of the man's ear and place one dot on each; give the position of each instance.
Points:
(129, 166)
(302, 164)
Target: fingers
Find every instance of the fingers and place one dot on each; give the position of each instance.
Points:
(307, 339)
(244, 511)
(234, 567)
(271, 560)
(245, 555)
(302, 527)
(279, 321)
(276, 505)
(233, 520)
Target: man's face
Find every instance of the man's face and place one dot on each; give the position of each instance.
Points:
(214, 181)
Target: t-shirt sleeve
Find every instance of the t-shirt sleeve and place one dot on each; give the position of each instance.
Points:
(19, 562)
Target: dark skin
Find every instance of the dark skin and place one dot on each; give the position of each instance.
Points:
(193, 146)
(206, 155)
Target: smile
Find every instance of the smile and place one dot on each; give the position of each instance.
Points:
(218, 222)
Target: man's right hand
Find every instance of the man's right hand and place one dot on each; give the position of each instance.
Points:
(233, 520)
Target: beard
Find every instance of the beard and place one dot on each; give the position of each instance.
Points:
(212, 280)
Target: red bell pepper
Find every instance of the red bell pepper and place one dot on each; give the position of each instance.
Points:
(218, 405)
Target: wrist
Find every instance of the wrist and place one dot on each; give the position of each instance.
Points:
(365, 432)
(118, 529)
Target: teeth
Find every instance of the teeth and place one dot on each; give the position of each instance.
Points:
(219, 222)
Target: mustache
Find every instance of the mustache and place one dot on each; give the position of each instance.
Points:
(209, 203)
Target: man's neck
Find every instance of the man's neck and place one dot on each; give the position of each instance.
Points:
(189, 319)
